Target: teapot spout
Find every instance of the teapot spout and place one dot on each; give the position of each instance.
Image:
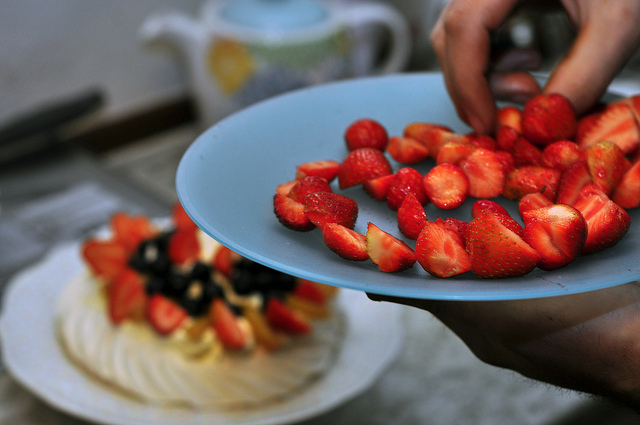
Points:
(174, 29)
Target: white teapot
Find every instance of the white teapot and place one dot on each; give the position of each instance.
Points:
(241, 51)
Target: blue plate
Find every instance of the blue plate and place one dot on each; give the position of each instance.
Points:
(227, 178)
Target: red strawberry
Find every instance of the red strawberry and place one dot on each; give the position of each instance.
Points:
(525, 153)
(328, 207)
(126, 296)
(506, 137)
(105, 258)
(432, 135)
(406, 180)
(366, 133)
(226, 325)
(224, 260)
(486, 178)
(482, 205)
(616, 124)
(572, 180)
(308, 185)
(607, 223)
(386, 251)
(310, 291)
(458, 226)
(282, 317)
(411, 217)
(627, 194)
(446, 186)
(285, 188)
(440, 251)
(180, 217)
(548, 118)
(532, 201)
(532, 179)
(345, 242)
(164, 314)
(510, 116)
(561, 154)
(131, 230)
(481, 141)
(607, 164)
(558, 232)
(361, 165)
(327, 169)
(507, 161)
(379, 187)
(454, 152)
(291, 213)
(497, 252)
(184, 246)
(407, 150)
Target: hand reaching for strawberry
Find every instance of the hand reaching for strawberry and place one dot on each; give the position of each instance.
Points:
(608, 35)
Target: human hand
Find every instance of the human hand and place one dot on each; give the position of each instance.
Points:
(608, 34)
(588, 342)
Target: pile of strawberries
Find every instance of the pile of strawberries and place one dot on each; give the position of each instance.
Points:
(573, 178)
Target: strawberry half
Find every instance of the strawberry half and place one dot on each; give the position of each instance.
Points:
(627, 194)
(561, 154)
(184, 246)
(572, 180)
(407, 150)
(180, 217)
(530, 179)
(446, 186)
(386, 251)
(126, 296)
(308, 185)
(616, 124)
(226, 325)
(607, 164)
(131, 230)
(454, 152)
(548, 118)
(164, 314)
(484, 170)
(361, 165)
(509, 116)
(411, 217)
(526, 153)
(366, 133)
(482, 205)
(326, 169)
(379, 187)
(282, 317)
(328, 207)
(224, 260)
(406, 180)
(440, 251)
(345, 242)
(496, 251)
(105, 258)
(558, 232)
(291, 213)
(532, 201)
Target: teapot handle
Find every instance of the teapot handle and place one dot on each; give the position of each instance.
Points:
(358, 15)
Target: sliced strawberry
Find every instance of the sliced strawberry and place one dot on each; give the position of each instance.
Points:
(446, 186)
(328, 207)
(184, 246)
(440, 251)
(530, 179)
(379, 187)
(291, 213)
(345, 242)
(406, 180)
(434, 136)
(481, 141)
(548, 118)
(226, 325)
(458, 226)
(126, 296)
(627, 194)
(366, 133)
(282, 317)
(269, 338)
(607, 164)
(131, 230)
(507, 161)
(497, 252)
(510, 116)
(386, 251)
(526, 153)
(180, 217)
(532, 201)
(616, 124)
(506, 137)
(105, 258)
(310, 291)
(482, 205)
(607, 223)
(486, 178)
(326, 169)
(572, 180)
(308, 185)
(164, 314)
(361, 165)
(558, 232)
(454, 152)
(285, 188)
(224, 260)
(407, 150)
(411, 217)
(561, 154)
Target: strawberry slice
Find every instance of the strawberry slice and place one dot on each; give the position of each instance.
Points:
(180, 217)
(440, 251)
(411, 217)
(164, 314)
(561, 154)
(558, 232)
(572, 180)
(532, 201)
(126, 296)
(286, 319)
(326, 169)
(486, 177)
(291, 213)
(530, 179)
(345, 242)
(310, 291)
(328, 207)
(459, 226)
(386, 251)
(506, 137)
(105, 258)
(285, 188)
(308, 185)
(607, 164)
(446, 186)
(509, 116)
(607, 222)
(379, 187)
(366, 133)
(407, 150)
(406, 180)
(526, 153)
(224, 260)
(184, 246)
(433, 136)
(131, 230)
(481, 141)
(507, 161)
(454, 152)
(627, 194)
(616, 124)
(226, 325)
(482, 205)
(361, 165)
(548, 118)
(496, 251)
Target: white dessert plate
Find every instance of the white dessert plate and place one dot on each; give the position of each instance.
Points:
(35, 358)
(228, 176)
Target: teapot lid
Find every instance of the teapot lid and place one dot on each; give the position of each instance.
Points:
(274, 14)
